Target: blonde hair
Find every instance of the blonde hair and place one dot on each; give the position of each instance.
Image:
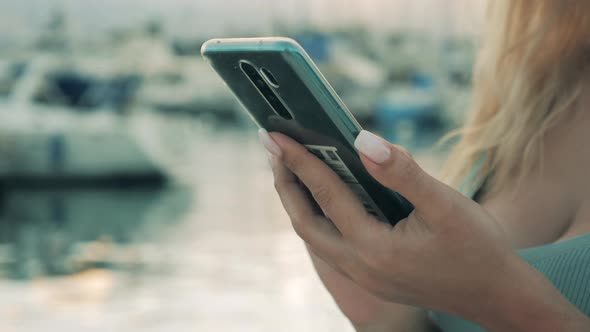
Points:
(528, 74)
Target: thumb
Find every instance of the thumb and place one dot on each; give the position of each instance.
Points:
(396, 169)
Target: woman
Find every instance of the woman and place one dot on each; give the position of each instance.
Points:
(523, 159)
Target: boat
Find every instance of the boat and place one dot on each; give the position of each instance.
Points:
(61, 124)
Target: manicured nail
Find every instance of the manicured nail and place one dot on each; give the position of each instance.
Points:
(268, 142)
(373, 147)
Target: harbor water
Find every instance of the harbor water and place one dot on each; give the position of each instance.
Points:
(216, 255)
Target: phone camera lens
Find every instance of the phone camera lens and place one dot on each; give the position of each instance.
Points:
(270, 78)
(248, 69)
(265, 90)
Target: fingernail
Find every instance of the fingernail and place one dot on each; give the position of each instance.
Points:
(373, 147)
(270, 145)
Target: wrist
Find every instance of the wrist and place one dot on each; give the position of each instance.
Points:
(522, 299)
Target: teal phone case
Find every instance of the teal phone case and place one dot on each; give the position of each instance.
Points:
(320, 120)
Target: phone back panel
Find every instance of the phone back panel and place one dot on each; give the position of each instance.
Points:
(319, 118)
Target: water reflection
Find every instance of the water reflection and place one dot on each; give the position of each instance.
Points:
(63, 231)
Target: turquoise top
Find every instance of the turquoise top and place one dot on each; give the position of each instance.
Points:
(566, 264)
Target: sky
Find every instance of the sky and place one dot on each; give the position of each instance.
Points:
(207, 18)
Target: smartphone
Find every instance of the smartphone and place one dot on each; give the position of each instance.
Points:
(283, 91)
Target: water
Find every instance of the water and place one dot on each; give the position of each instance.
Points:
(216, 255)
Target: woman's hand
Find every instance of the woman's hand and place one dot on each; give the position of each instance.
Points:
(367, 312)
(448, 255)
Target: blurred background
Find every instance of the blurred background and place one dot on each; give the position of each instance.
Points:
(134, 195)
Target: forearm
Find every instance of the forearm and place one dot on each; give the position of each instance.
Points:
(401, 318)
(527, 301)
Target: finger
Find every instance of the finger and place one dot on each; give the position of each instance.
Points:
(312, 227)
(396, 169)
(295, 200)
(339, 204)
